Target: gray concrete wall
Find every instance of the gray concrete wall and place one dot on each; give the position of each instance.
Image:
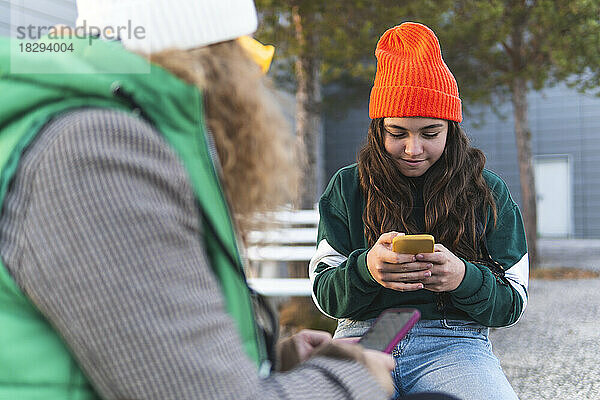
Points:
(345, 133)
(562, 121)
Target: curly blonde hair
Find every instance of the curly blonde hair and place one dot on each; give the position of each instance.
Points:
(260, 157)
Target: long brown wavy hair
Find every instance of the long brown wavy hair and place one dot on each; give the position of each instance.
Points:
(455, 194)
(261, 159)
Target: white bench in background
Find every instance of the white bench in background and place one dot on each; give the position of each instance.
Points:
(281, 287)
(292, 237)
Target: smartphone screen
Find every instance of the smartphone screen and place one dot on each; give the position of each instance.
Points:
(389, 328)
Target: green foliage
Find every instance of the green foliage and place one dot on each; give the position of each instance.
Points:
(490, 44)
(487, 44)
(346, 34)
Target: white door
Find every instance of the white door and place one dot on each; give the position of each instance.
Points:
(553, 187)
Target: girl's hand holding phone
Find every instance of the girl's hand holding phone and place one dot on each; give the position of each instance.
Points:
(401, 272)
(447, 269)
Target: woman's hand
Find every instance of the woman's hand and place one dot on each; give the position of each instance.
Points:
(310, 343)
(379, 365)
(307, 340)
(401, 272)
(299, 347)
(447, 270)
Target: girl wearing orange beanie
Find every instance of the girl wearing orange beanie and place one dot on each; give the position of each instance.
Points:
(417, 173)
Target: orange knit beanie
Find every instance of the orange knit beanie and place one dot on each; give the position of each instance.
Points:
(412, 79)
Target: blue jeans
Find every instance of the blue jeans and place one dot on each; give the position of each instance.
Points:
(449, 356)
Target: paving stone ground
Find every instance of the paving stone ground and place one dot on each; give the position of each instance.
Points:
(578, 253)
(554, 351)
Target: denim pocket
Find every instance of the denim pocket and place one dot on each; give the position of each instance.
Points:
(463, 325)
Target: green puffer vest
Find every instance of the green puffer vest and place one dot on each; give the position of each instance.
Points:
(34, 361)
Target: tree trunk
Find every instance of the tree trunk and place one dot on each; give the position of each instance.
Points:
(300, 312)
(528, 193)
(308, 106)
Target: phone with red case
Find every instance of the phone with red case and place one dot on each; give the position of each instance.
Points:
(389, 328)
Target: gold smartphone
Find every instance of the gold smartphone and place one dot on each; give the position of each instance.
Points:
(413, 244)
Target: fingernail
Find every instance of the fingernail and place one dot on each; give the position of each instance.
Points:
(428, 273)
(420, 256)
(421, 286)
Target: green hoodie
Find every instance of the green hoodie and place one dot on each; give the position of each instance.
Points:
(344, 288)
(34, 361)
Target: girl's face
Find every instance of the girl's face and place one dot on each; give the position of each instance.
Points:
(415, 143)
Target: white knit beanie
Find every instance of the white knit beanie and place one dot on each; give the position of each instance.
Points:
(149, 26)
